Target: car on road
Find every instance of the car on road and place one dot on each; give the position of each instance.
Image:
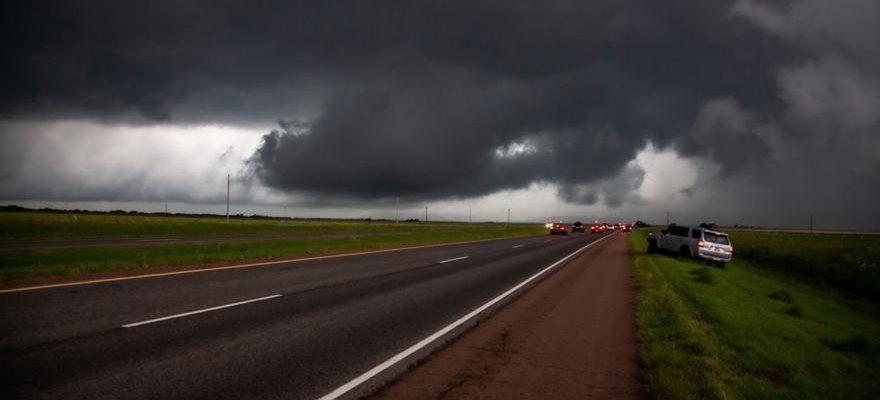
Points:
(626, 227)
(578, 227)
(692, 242)
(559, 228)
(609, 227)
(597, 228)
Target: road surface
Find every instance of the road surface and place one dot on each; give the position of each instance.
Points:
(294, 330)
(570, 337)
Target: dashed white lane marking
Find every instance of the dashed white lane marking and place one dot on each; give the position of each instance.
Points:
(336, 393)
(453, 259)
(156, 240)
(517, 246)
(204, 310)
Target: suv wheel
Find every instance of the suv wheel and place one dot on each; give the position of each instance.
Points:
(685, 251)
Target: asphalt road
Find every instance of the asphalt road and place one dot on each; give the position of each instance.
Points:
(294, 330)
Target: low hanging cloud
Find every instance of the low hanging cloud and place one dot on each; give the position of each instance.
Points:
(588, 86)
(453, 100)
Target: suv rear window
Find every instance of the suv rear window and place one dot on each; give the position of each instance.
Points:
(695, 233)
(678, 230)
(715, 238)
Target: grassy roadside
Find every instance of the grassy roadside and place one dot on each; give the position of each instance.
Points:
(57, 225)
(849, 262)
(744, 332)
(19, 265)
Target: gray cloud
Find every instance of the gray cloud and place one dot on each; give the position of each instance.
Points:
(728, 135)
(459, 99)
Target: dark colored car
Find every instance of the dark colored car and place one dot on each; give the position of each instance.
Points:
(578, 227)
(627, 227)
(559, 228)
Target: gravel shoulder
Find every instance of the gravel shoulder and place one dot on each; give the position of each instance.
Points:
(571, 336)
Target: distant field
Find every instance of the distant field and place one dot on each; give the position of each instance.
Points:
(315, 239)
(845, 261)
(751, 331)
(44, 226)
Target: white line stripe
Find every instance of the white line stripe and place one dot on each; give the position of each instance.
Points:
(150, 321)
(517, 246)
(336, 393)
(452, 259)
(156, 240)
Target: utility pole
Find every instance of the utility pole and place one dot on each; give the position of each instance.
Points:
(508, 218)
(426, 215)
(397, 210)
(470, 214)
(227, 198)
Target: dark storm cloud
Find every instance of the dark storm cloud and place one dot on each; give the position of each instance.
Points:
(431, 100)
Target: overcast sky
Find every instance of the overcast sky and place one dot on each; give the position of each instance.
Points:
(750, 112)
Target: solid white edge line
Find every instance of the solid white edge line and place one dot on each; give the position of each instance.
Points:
(157, 240)
(452, 259)
(204, 310)
(517, 246)
(345, 388)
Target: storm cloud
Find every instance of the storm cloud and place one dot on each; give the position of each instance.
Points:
(422, 101)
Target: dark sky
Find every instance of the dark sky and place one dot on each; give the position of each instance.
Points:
(776, 103)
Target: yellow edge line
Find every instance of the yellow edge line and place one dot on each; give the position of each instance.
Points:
(193, 271)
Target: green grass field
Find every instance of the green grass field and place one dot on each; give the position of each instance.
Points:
(849, 262)
(57, 225)
(308, 238)
(746, 331)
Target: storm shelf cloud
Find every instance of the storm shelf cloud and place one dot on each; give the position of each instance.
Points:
(776, 104)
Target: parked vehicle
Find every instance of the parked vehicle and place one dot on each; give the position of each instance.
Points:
(577, 227)
(559, 228)
(692, 242)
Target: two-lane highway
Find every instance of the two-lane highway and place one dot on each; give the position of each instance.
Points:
(295, 330)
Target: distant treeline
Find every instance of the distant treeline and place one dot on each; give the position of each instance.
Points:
(15, 208)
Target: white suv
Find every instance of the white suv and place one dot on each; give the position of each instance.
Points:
(692, 242)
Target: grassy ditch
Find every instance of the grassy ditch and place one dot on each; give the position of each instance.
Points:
(849, 262)
(747, 332)
(17, 265)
